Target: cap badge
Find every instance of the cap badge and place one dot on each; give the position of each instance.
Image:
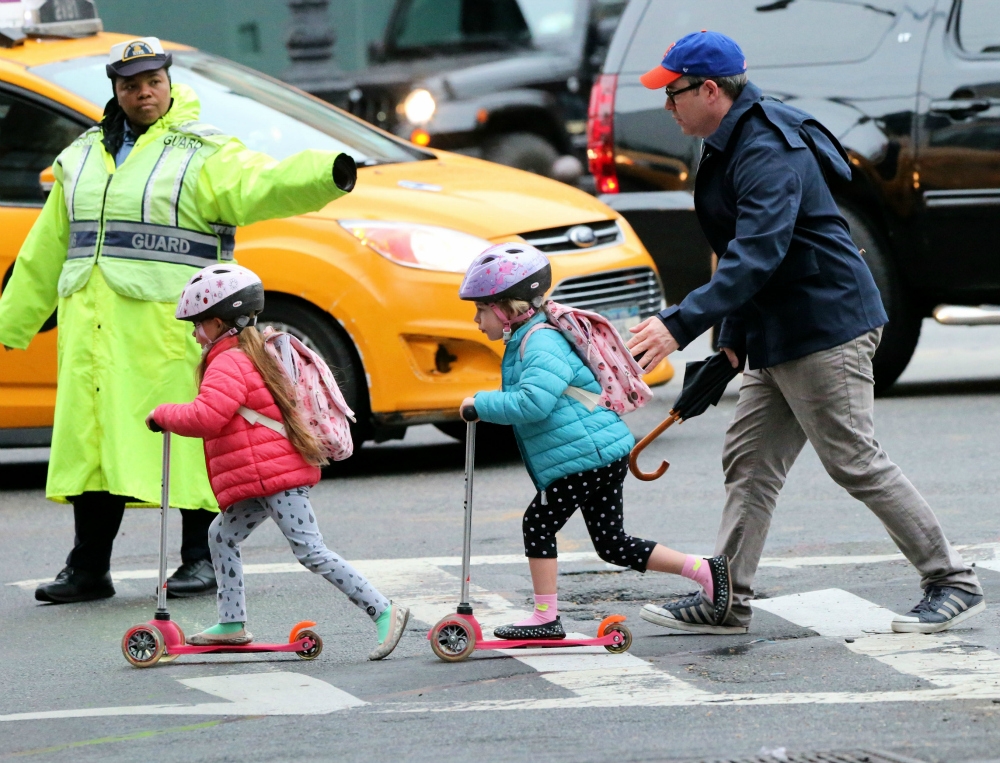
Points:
(137, 49)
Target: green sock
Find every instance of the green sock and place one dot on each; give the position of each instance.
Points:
(224, 629)
(383, 623)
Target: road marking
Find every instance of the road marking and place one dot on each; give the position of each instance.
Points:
(831, 612)
(984, 554)
(280, 693)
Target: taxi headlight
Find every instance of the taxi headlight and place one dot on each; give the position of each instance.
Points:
(419, 106)
(418, 246)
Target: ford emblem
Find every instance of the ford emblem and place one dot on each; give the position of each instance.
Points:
(582, 235)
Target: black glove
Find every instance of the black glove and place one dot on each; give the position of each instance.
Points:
(345, 172)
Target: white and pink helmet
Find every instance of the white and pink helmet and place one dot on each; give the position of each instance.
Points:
(508, 271)
(230, 292)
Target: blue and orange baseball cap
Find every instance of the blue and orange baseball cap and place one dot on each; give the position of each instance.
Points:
(699, 54)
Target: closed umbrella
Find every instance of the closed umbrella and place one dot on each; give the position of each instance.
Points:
(704, 383)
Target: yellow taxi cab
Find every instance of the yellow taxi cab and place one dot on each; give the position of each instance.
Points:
(371, 281)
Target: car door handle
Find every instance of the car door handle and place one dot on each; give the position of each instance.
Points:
(961, 106)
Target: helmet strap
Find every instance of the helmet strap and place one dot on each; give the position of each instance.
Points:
(508, 322)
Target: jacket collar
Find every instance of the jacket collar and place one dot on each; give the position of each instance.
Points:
(744, 102)
(220, 347)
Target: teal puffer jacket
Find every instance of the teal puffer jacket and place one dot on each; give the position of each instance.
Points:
(556, 434)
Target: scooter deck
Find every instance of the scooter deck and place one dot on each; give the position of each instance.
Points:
(610, 639)
(295, 646)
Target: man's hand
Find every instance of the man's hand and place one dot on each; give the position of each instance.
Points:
(467, 410)
(653, 341)
(732, 357)
(151, 423)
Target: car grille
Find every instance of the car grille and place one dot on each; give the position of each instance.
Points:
(377, 108)
(557, 240)
(611, 290)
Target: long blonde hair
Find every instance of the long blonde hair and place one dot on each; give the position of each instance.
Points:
(276, 381)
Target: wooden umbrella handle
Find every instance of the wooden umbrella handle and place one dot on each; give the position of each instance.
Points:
(633, 457)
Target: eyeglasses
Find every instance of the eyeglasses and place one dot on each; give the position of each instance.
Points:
(672, 94)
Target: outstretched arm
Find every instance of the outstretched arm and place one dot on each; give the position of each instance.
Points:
(31, 295)
(239, 186)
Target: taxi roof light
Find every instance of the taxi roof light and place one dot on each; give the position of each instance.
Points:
(47, 18)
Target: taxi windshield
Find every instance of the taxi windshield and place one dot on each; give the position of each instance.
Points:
(266, 115)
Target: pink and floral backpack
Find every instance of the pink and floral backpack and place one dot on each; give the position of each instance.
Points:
(317, 395)
(603, 351)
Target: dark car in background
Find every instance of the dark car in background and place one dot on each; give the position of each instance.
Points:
(503, 80)
(911, 88)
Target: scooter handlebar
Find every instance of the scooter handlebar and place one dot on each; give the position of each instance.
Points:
(469, 414)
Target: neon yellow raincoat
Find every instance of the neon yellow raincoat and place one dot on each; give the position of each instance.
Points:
(112, 249)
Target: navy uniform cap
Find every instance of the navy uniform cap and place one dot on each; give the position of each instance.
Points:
(700, 54)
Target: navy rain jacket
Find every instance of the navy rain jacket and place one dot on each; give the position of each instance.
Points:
(790, 281)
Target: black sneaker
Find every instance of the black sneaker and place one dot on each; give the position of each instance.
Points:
(192, 579)
(76, 585)
(694, 612)
(941, 608)
(553, 630)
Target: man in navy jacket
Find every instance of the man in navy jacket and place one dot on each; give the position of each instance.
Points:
(799, 306)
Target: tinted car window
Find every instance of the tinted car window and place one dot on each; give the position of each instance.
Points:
(775, 33)
(979, 26)
(31, 137)
(424, 24)
(266, 115)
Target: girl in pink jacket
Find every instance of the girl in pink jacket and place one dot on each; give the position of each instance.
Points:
(257, 470)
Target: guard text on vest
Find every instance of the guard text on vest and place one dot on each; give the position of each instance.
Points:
(161, 243)
(182, 141)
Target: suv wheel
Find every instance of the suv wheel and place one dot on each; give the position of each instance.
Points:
(901, 333)
(522, 150)
(317, 332)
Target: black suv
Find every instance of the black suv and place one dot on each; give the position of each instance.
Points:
(504, 80)
(911, 88)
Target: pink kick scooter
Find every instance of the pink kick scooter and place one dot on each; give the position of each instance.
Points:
(457, 636)
(162, 640)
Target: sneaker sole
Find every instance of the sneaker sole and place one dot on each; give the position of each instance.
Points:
(679, 625)
(938, 627)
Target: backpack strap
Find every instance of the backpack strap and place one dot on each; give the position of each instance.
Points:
(589, 400)
(259, 418)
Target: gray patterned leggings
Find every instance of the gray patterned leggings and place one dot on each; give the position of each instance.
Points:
(292, 512)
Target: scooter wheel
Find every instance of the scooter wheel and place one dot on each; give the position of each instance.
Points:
(453, 640)
(142, 646)
(626, 638)
(314, 651)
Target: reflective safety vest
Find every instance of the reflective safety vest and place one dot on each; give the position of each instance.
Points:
(139, 223)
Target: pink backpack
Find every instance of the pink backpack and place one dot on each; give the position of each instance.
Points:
(317, 395)
(603, 351)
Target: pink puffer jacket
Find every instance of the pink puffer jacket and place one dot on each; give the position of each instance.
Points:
(244, 460)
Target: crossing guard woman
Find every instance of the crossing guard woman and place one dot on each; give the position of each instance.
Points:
(140, 202)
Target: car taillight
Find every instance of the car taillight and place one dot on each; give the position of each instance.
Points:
(601, 133)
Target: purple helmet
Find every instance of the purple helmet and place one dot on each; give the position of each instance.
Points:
(508, 271)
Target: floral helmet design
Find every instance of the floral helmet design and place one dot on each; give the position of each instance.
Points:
(508, 271)
(230, 292)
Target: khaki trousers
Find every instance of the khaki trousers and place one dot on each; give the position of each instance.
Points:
(826, 398)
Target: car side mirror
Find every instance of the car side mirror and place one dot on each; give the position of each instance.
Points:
(46, 179)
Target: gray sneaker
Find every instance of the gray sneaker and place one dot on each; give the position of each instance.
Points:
(400, 616)
(941, 608)
(692, 613)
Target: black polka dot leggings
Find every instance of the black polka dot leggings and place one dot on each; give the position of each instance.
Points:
(294, 515)
(598, 495)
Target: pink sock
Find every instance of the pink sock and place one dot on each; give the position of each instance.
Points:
(546, 610)
(696, 568)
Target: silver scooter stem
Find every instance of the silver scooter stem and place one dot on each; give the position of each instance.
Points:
(161, 594)
(470, 465)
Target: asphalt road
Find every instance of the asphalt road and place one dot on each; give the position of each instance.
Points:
(816, 672)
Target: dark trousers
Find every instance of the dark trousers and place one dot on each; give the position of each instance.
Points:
(98, 516)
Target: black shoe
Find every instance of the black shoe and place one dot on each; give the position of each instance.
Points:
(694, 612)
(76, 585)
(941, 608)
(553, 630)
(191, 579)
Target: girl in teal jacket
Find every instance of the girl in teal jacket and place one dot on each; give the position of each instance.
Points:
(577, 456)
